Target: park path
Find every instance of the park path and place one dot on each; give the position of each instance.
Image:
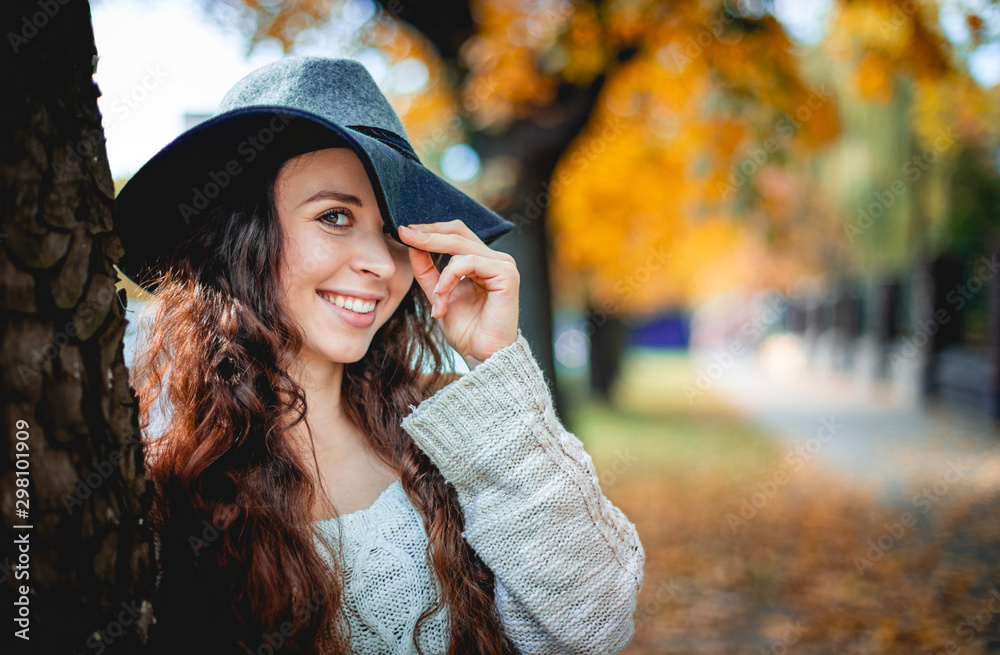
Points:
(870, 432)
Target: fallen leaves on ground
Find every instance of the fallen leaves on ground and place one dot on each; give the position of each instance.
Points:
(738, 563)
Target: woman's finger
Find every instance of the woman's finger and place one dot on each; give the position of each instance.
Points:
(455, 226)
(453, 244)
(494, 275)
(424, 271)
(447, 238)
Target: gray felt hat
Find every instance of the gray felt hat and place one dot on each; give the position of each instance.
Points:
(289, 107)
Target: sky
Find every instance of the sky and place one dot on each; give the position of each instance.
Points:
(156, 63)
(160, 61)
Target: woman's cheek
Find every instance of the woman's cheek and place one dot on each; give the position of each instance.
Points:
(404, 269)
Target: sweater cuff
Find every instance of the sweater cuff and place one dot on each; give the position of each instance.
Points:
(458, 427)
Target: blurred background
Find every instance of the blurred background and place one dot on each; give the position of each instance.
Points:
(759, 245)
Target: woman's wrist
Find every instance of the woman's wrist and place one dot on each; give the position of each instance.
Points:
(471, 361)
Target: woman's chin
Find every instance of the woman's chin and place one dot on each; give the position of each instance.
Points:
(349, 355)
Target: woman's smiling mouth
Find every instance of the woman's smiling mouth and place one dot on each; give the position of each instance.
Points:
(357, 305)
(344, 307)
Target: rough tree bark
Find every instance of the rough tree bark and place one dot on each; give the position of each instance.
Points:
(66, 399)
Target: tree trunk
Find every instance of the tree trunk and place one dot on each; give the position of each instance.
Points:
(71, 480)
(607, 345)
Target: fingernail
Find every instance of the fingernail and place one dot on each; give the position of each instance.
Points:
(406, 228)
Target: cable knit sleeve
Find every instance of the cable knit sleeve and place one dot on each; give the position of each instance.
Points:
(568, 563)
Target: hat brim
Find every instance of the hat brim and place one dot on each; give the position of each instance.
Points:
(164, 200)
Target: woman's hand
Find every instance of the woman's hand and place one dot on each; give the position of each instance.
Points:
(478, 312)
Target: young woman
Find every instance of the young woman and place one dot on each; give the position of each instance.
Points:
(324, 481)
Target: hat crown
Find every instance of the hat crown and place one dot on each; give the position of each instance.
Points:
(340, 90)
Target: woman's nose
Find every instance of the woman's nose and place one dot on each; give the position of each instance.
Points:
(373, 254)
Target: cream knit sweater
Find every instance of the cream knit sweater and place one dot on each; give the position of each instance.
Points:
(568, 563)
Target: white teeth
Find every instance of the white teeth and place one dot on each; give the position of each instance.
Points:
(354, 304)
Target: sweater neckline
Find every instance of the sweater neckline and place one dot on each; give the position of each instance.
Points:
(367, 510)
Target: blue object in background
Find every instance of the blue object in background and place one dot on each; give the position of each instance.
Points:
(670, 330)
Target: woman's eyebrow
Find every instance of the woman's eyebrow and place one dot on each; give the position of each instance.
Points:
(329, 194)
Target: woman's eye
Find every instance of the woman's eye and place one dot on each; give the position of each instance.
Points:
(330, 218)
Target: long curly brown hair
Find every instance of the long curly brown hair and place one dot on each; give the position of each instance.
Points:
(238, 565)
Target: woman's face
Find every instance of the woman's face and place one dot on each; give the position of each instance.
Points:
(342, 275)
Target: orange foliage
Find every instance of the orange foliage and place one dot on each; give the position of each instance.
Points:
(874, 77)
(659, 164)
